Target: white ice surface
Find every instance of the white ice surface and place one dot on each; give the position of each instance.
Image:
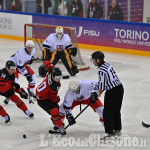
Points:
(134, 73)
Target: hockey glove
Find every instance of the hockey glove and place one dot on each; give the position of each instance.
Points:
(31, 61)
(94, 97)
(74, 51)
(29, 77)
(71, 119)
(49, 66)
(42, 71)
(50, 69)
(15, 86)
(23, 94)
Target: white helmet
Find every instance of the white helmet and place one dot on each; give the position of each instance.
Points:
(59, 32)
(74, 85)
(29, 43)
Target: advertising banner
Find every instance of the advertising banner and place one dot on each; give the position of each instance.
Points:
(13, 24)
(135, 36)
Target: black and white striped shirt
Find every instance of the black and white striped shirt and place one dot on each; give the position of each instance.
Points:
(107, 77)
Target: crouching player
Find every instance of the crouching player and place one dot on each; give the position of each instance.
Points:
(48, 99)
(81, 92)
(8, 87)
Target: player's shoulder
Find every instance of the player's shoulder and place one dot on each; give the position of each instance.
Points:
(53, 85)
(52, 37)
(21, 49)
(104, 67)
(3, 72)
(66, 36)
(5, 75)
(85, 82)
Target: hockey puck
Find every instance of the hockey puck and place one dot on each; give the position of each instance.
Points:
(24, 136)
(145, 125)
(65, 77)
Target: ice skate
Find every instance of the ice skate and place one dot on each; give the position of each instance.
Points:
(6, 101)
(7, 119)
(29, 113)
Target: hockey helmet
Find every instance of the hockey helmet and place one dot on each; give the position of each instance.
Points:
(42, 70)
(29, 43)
(59, 32)
(98, 55)
(74, 85)
(10, 65)
(56, 73)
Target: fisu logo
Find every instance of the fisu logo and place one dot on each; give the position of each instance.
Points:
(87, 32)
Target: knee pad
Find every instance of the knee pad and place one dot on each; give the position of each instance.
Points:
(14, 98)
(2, 111)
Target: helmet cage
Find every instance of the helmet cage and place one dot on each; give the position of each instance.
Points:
(59, 31)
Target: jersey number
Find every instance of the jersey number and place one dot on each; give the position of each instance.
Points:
(41, 87)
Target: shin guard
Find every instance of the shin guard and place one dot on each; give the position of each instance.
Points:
(56, 117)
(20, 104)
(2, 111)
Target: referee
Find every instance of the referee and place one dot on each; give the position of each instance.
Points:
(109, 82)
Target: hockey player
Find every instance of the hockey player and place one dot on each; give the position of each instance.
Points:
(8, 88)
(48, 99)
(58, 46)
(84, 92)
(22, 58)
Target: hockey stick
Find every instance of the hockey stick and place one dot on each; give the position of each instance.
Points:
(80, 106)
(145, 125)
(38, 43)
(80, 113)
(30, 97)
(56, 132)
(42, 57)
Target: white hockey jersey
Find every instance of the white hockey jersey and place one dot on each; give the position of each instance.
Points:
(86, 88)
(54, 43)
(21, 58)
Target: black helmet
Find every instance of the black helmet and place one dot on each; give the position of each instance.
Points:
(98, 55)
(10, 65)
(56, 73)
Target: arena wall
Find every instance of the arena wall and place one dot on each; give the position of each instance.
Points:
(93, 34)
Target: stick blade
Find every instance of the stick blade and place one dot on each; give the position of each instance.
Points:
(145, 125)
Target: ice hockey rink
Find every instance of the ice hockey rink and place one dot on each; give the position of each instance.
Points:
(134, 73)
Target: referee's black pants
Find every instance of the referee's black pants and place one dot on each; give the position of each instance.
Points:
(112, 109)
